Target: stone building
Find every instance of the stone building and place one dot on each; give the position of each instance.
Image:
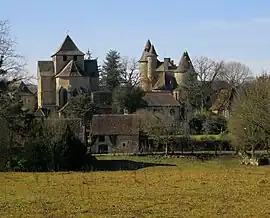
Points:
(27, 93)
(62, 76)
(115, 133)
(156, 75)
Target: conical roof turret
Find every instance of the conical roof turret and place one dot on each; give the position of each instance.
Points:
(145, 51)
(152, 51)
(184, 63)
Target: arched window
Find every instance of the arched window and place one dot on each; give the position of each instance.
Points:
(62, 97)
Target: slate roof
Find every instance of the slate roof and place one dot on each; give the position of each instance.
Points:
(185, 63)
(152, 51)
(160, 66)
(160, 99)
(145, 51)
(71, 69)
(115, 124)
(29, 88)
(68, 47)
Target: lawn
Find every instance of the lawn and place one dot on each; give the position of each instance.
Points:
(182, 188)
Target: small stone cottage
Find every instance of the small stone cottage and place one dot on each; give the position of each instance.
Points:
(115, 133)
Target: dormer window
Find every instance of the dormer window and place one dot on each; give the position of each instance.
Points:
(75, 58)
(64, 58)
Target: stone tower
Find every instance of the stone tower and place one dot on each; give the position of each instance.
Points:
(185, 71)
(184, 74)
(144, 81)
(151, 65)
(65, 53)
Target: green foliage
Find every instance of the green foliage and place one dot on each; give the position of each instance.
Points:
(207, 123)
(128, 97)
(112, 71)
(80, 106)
(70, 152)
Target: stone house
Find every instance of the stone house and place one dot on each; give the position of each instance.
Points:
(164, 102)
(62, 77)
(27, 93)
(115, 133)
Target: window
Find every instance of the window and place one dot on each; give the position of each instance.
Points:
(64, 58)
(75, 58)
(124, 144)
(101, 138)
(62, 97)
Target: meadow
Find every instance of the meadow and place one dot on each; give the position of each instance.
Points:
(145, 187)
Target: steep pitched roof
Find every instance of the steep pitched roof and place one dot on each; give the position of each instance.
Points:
(71, 69)
(68, 47)
(152, 51)
(145, 51)
(115, 124)
(184, 63)
(158, 99)
(20, 85)
(160, 66)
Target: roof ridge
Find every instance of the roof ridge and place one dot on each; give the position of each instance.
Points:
(68, 45)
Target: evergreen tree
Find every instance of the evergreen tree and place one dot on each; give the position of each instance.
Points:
(80, 106)
(129, 98)
(112, 71)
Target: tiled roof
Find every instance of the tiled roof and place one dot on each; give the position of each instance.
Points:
(71, 69)
(156, 99)
(68, 47)
(115, 124)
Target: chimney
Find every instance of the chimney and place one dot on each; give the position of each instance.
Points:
(166, 63)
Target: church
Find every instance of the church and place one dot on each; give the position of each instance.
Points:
(64, 75)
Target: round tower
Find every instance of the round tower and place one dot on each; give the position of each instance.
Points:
(144, 83)
(184, 70)
(151, 64)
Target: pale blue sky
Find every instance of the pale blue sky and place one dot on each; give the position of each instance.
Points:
(220, 29)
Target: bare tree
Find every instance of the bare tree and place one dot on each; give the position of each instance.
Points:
(130, 71)
(250, 121)
(236, 73)
(207, 69)
(157, 125)
(12, 63)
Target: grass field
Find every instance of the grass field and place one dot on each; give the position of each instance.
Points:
(215, 188)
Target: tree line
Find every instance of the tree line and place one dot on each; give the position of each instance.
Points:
(46, 148)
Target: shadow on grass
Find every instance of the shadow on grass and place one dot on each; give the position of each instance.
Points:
(116, 165)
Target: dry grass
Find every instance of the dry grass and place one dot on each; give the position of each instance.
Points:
(191, 189)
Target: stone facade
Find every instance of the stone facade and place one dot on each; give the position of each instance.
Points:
(115, 133)
(64, 75)
(27, 93)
